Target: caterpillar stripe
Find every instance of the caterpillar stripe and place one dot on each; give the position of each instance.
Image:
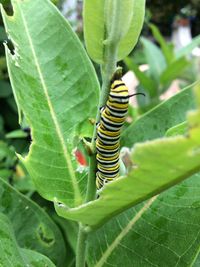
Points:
(108, 133)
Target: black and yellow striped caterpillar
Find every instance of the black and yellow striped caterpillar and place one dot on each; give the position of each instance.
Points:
(108, 133)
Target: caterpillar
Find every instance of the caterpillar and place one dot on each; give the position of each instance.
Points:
(108, 133)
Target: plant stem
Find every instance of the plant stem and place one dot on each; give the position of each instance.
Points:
(91, 188)
(108, 69)
(81, 247)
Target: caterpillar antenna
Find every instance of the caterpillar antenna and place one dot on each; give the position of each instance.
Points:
(137, 94)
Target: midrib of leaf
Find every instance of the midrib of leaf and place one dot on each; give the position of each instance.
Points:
(124, 232)
(52, 112)
(195, 258)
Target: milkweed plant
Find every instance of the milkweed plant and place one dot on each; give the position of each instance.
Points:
(149, 215)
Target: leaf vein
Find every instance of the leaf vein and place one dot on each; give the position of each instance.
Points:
(52, 112)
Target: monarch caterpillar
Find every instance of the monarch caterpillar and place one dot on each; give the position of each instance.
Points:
(108, 133)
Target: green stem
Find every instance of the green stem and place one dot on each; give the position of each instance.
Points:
(108, 69)
(91, 187)
(81, 247)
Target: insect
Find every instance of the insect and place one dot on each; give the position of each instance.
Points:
(108, 133)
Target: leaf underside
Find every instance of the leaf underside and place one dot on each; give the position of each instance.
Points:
(52, 80)
(163, 231)
(95, 27)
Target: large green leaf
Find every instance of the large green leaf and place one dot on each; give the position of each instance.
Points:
(156, 122)
(35, 259)
(10, 252)
(158, 165)
(162, 232)
(96, 20)
(52, 80)
(32, 226)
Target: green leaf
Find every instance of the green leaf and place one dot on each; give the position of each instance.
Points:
(164, 231)
(148, 84)
(5, 174)
(52, 80)
(12, 255)
(158, 165)
(121, 14)
(9, 250)
(130, 40)
(16, 134)
(155, 59)
(32, 226)
(157, 121)
(95, 26)
(185, 51)
(196, 261)
(166, 49)
(179, 129)
(35, 259)
(70, 231)
(174, 70)
(7, 160)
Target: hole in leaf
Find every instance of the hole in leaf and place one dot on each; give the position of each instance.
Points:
(45, 235)
(11, 47)
(28, 131)
(8, 8)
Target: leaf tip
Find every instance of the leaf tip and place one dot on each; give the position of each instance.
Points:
(60, 208)
(22, 159)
